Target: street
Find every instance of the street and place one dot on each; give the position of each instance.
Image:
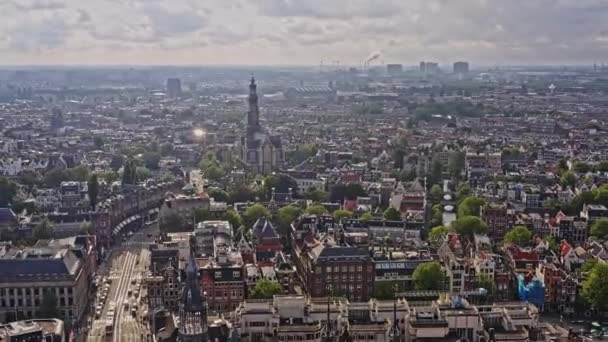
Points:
(119, 310)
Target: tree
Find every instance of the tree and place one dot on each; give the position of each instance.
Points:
(166, 149)
(280, 183)
(340, 215)
(436, 171)
(53, 178)
(288, 214)
(266, 289)
(77, 174)
(519, 235)
(594, 287)
(486, 282)
(218, 195)
(317, 209)
(385, 290)
(98, 142)
(142, 173)
(202, 214)
(456, 163)
(254, 212)
(173, 222)
(436, 215)
(463, 191)
(48, 305)
(437, 234)
(602, 166)
(599, 228)
(468, 226)
(43, 230)
(568, 179)
(391, 214)
(354, 190)
(436, 193)
(117, 162)
(8, 190)
(93, 190)
(234, 218)
(470, 206)
(366, 216)
(588, 266)
(429, 276)
(151, 160)
(211, 167)
(240, 193)
(316, 195)
(129, 173)
(581, 167)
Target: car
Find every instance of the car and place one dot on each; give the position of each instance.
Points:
(149, 234)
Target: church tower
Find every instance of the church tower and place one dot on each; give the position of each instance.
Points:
(253, 117)
(193, 308)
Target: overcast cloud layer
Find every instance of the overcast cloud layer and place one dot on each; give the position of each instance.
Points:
(302, 31)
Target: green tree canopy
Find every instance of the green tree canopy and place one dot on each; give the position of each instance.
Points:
(240, 193)
(142, 173)
(467, 226)
(98, 142)
(366, 216)
(340, 215)
(429, 276)
(173, 222)
(385, 290)
(211, 167)
(43, 230)
(568, 179)
(8, 190)
(470, 206)
(201, 214)
(436, 215)
(519, 235)
(53, 178)
(581, 167)
(436, 193)
(254, 212)
(594, 287)
(456, 163)
(391, 214)
(281, 184)
(218, 195)
(316, 209)
(151, 160)
(129, 173)
(234, 218)
(599, 228)
(486, 282)
(437, 234)
(316, 195)
(266, 289)
(117, 162)
(288, 214)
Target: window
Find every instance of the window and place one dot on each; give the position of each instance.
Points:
(218, 274)
(328, 269)
(236, 274)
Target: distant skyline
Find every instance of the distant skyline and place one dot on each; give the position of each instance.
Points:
(302, 32)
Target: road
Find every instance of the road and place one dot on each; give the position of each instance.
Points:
(123, 314)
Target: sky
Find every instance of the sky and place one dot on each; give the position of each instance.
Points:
(302, 32)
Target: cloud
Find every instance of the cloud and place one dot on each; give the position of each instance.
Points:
(304, 31)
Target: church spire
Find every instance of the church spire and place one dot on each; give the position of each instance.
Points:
(253, 117)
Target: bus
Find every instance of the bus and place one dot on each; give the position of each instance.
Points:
(109, 326)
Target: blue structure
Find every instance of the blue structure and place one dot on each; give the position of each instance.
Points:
(533, 292)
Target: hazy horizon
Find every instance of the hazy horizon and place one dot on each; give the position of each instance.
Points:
(302, 32)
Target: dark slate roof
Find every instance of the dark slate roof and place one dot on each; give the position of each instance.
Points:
(61, 263)
(263, 228)
(343, 252)
(7, 216)
(192, 300)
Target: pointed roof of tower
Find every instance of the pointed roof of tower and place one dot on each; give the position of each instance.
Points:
(191, 295)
